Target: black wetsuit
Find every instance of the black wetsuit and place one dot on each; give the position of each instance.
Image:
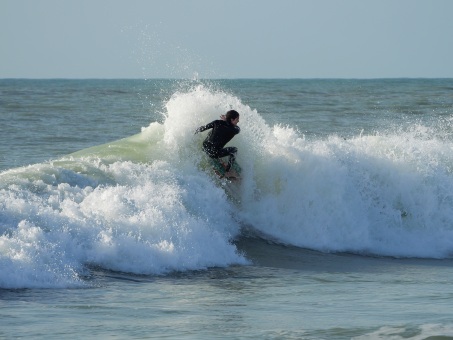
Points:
(222, 132)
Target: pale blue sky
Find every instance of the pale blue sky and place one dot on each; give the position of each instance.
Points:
(226, 38)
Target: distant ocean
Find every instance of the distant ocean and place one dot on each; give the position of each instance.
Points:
(112, 225)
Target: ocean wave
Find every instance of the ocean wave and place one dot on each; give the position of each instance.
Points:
(148, 204)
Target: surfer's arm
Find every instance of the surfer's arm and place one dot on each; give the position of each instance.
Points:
(205, 127)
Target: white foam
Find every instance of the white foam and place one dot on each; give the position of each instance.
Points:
(153, 220)
(382, 194)
(426, 331)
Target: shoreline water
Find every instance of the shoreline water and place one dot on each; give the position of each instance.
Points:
(300, 294)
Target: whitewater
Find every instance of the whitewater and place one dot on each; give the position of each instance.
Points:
(338, 179)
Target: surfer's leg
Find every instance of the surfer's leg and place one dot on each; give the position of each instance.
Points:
(231, 152)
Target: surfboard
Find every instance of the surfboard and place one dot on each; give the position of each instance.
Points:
(231, 181)
(219, 168)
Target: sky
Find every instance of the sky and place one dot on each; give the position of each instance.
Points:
(226, 39)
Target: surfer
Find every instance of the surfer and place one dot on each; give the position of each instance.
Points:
(223, 130)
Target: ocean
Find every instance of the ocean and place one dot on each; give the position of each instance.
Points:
(113, 225)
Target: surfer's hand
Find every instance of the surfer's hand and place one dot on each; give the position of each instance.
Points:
(222, 117)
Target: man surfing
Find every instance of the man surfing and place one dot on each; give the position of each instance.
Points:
(223, 130)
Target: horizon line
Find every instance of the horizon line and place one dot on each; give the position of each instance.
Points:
(204, 79)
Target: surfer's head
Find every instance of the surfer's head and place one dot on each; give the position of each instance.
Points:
(232, 117)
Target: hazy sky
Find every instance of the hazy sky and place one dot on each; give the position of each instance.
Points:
(226, 38)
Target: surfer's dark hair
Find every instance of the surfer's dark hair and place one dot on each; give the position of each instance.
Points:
(231, 115)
